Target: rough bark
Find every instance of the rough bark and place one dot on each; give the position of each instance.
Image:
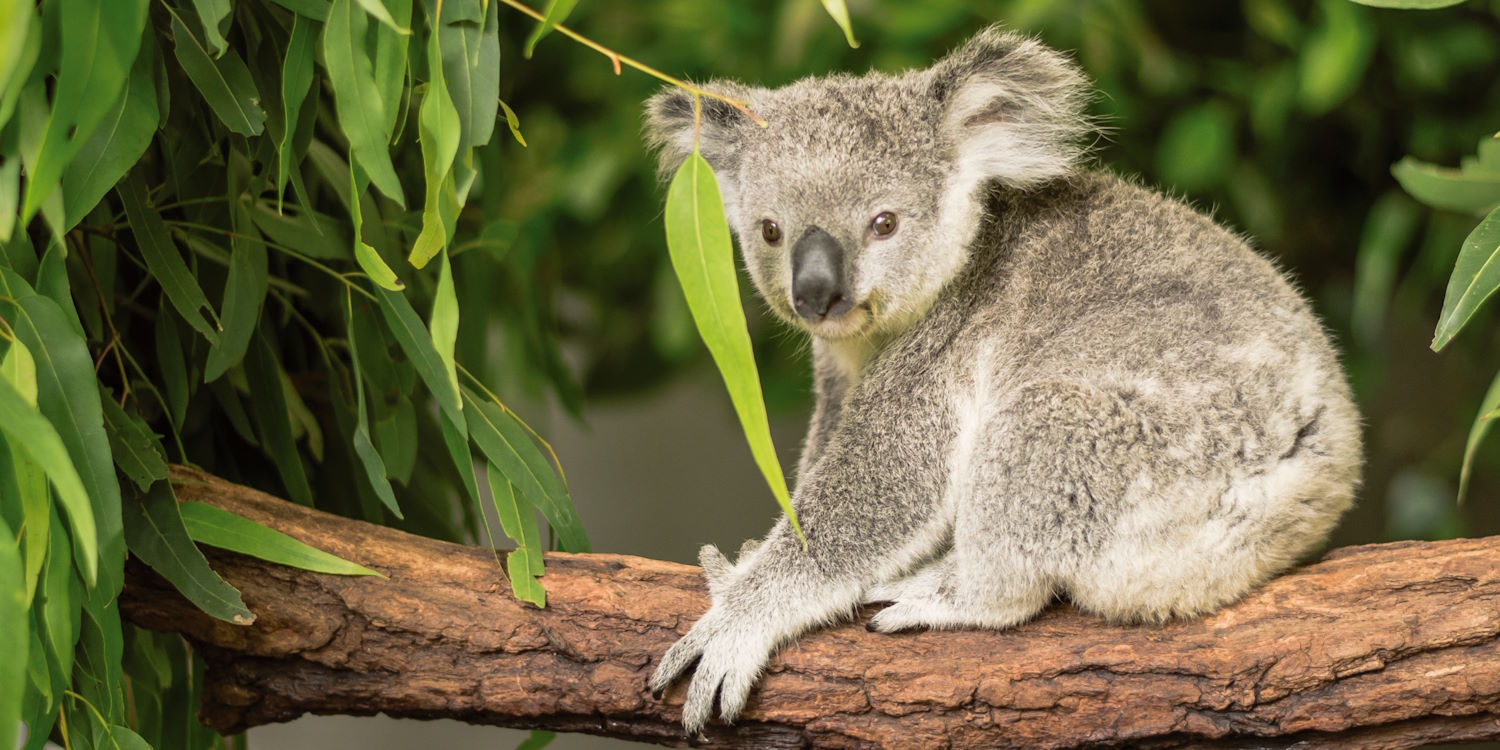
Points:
(1379, 646)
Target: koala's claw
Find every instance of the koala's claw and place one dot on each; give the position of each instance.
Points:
(724, 658)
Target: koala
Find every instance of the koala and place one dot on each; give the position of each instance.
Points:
(1035, 379)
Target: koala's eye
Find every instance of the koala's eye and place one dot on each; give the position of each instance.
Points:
(883, 224)
(771, 231)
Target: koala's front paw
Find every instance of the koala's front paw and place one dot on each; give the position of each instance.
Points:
(729, 654)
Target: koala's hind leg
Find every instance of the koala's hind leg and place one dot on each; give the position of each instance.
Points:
(1034, 498)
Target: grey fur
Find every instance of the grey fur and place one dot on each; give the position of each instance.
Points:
(1055, 382)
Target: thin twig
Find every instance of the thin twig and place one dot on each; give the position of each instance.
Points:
(616, 59)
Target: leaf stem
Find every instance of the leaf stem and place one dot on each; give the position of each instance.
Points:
(617, 59)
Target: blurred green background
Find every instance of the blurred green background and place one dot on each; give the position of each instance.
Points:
(1281, 118)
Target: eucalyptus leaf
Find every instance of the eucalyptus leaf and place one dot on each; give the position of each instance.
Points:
(1475, 277)
(369, 260)
(13, 628)
(244, 294)
(136, 450)
(296, 81)
(163, 258)
(509, 447)
(470, 45)
(840, 14)
(364, 447)
(698, 241)
(269, 409)
(115, 146)
(68, 398)
(438, 131)
(557, 12)
(224, 82)
(98, 43)
(215, 16)
(518, 519)
(155, 530)
(217, 527)
(415, 341)
(361, 113)
(1466, 191)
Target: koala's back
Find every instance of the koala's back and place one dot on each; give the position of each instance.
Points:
(1147, 357)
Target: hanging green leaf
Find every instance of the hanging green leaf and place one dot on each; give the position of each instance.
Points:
(68, 398)
(28, 430)
(115, 146)
(20, 476)
(296, 81)
(518, 519)
(557, 12)
(220, 528)
(316, 10)
(136, 450)
(391, 62)
(379, 12)
(415, 341)
(361, 113)
(698, 240)
(513, 122)
(13, 627)
(224, 83)
(369, 260)
(506, 443)
(471, 68)
(438, 132)
(154, 528)
(1483, 421)
(364, 448)
(215, 17)
(268, 406)
(164, 260)
(444, 324)
(172, 362)
(244, 294)
(99, 42)
(1475, 277)
(840, 14)
(1470, 191)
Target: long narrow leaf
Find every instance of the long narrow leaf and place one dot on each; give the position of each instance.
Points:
(115, 146)
(1475, 277)
(163, 258)
(136, 450)
(698, 240)
(154, 528)
(518, 519)
(67, 396)
(224, 83)
(507, 445)
(13, 632)
(273, 422)
(220, 528)
(364, 447)
(296, 81)
(361, 113)
(99, 41)
(244, 294)
(407, 328)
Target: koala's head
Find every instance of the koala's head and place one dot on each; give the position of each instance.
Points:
(858, 200)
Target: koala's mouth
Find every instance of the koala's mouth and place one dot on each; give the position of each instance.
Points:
(855, 321)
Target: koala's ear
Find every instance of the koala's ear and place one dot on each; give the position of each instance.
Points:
(669, 127)
(1013, 107)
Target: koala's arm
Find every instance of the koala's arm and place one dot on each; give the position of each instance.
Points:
(870, 506)
(830, 385)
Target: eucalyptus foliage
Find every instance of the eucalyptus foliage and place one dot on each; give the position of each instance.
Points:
(231, 237)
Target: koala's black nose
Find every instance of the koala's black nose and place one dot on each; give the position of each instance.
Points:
(819, 284)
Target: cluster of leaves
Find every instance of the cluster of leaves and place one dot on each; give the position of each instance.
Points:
(202, 207)
(155, 157)
(1473, 189)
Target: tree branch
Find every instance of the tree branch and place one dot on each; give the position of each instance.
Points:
(1379, 646)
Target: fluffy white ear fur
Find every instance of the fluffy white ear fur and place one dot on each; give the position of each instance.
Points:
(1014, 109)
(670, 130)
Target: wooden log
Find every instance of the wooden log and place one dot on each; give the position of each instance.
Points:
(1377, 646)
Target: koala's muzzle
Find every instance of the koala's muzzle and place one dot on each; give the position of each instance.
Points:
(820, 286)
